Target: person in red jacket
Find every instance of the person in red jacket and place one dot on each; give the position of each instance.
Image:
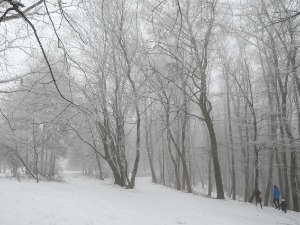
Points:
(258, 198)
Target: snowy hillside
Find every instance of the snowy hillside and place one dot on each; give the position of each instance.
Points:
(85, 201)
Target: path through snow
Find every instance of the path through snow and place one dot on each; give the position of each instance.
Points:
(86, 201)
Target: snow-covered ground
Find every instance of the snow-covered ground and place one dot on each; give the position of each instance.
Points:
(86, 201)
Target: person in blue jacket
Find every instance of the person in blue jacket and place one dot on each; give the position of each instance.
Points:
(276, 194)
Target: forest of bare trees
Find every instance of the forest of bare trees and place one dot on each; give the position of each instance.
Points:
(196, 94)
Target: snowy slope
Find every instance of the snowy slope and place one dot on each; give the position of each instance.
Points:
(85, 201)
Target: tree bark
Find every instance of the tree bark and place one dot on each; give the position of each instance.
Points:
(148, 147)
(176, 167)
(99, 166)
(233, 185)
(209, 176)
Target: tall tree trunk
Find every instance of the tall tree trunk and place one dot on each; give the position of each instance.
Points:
(104, 130)
(46, 163)
(233, 185)
(293, 177)
(176, 167)
(256, 166)
(35, 151)
(209, 176)
(163, 165)
(293, 169)
(42, 152)
(53, 165)
(50, 163)
(181, 156)
(148, 147)
(162, 160)
(26, 162)
(242, 122)
(286, 194)
(99, 167)
(270, 177)
(228, 177)
(186, 175)
(297, 104)
(279, 170)
(247, 160)
(42, 160)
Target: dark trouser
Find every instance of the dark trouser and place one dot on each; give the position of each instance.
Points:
(276, 202)
(259, 204)
(258, 201)
(284, 210)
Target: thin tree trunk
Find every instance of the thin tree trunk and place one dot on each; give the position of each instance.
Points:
(186, 175)
(209, 176)
(177, 174)
(42, 153)
(36, 156)
(233, 185)
(247, 166)
(270, 177)
(163, 166)
(99, 167)
(42, 161)
(26, 162)
(293, 169)
(53, 165)
(50, 163)
(46, 164)
(148, 147)
(286, 194)
(162, 160)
